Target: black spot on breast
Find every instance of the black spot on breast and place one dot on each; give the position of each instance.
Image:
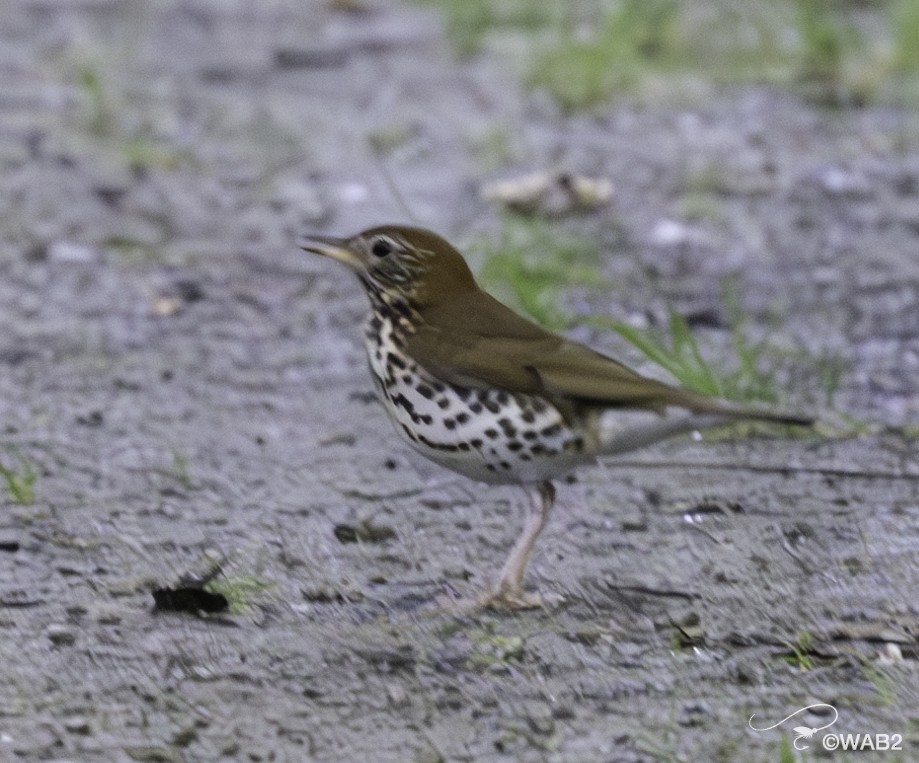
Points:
(530, 435)
(551, 431)
(426, 419)
(491, 434)
(462, 418)
(475, 407)
(425, 391)
(443, 403)
(491, 467)
(492, 406)
(450, 424)
(395, 361)
(463, 446)
(528, 416)
(514, 446)
(507, 427)
(476, 442)
(462, 393)
(375, 323)
(439, 387)
(505, 465)
(540, 406)
(502, 397)
(403, 402)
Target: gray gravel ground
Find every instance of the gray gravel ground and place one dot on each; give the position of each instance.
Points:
(187, 387)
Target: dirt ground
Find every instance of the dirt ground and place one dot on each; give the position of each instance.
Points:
(186, 386)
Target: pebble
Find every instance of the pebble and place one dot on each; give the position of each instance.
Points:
(77, 724)
(428, 755)
(890, 654)
(60, 635)
(539, 717)
(398, 697)
(669, 233)
(693, 714)
(68, 251)
(836, 181)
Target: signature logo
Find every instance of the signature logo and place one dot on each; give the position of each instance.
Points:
(804, 733)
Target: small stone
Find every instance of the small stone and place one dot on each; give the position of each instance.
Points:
(836, 181)
(539, 717)
(352, 193)
(166, 306)
(77, 724)
(68, 251)
(693, 714)
(185, 737)
(108, 616)
(364, 532)
(228, 746)
(153, 755)
(457, 572)
(60, 635)
(670, 233)
(398, 697)
(890, 654)
(428, 755)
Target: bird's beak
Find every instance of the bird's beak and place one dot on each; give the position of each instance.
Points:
(328, 246)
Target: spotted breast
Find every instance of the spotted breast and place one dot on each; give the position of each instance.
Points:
(485, 433)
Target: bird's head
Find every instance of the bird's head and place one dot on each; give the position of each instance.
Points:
(400, 262)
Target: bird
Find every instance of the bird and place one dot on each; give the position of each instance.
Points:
(487, 393)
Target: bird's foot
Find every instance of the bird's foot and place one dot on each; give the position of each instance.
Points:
(510, 598)
(500, 600)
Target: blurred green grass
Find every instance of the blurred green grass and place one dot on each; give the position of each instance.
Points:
(587, 52)
(531, 261)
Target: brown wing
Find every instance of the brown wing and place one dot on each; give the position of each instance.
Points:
(477, 341)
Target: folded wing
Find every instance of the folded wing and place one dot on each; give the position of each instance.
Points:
(480, 342)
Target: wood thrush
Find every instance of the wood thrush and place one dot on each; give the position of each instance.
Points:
(482, 391)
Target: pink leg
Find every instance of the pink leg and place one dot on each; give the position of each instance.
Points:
(509, 592)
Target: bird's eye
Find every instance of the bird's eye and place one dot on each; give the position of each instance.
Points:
(381, 247)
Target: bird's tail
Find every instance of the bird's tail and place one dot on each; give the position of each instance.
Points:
(733, 412)
(620, 433)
